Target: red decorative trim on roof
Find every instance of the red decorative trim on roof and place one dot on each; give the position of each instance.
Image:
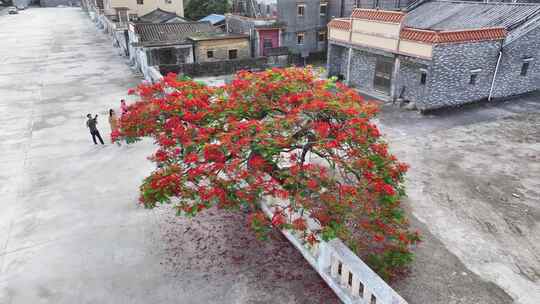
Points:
(427, 36)
(341, 24)
(378, 15)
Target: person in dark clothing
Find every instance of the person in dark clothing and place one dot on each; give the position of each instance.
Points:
(91, 123)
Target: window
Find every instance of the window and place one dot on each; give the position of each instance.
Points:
(209, 54)
(472, 80)
(474, 76)
(168, 1)
(350, 279)
(373, 299)
(233, 54)
(322, 36)
(140, 2)
(267, 9)
(339, 267)
(525, 66)
(323, 9)
(267, 43)
(300, 10)
(423, 77)
(524, 69)
(361, 289)
(300, 38)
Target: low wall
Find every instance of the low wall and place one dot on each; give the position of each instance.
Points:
(348, 276)
(54, 3)
(152, 74)
(215, 68)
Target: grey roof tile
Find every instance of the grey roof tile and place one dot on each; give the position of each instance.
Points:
(155, 33)
(461, 15)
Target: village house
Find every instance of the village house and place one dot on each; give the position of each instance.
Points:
(143, 7)
(214, 47)
(155, 44)
(264, 32)
(303, 23)
(160, 16)
(217, 21)
(440, 53)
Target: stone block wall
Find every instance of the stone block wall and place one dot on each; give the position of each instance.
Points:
(362, 72)
(216, 68)
(221, 49)
(410, 72)
(54, 3)
(509, 81)
(337, 60)
(450, 73)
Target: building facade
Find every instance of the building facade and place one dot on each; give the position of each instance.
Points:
(440, 53)
(156, 44)
(264, 33)
(220, 47)
(143, 7)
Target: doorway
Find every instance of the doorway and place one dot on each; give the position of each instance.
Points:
(383, 74)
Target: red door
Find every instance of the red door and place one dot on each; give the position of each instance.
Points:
(268, 39)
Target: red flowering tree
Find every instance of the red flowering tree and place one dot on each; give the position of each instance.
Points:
(281, 133)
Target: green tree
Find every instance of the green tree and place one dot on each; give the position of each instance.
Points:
(197, 9)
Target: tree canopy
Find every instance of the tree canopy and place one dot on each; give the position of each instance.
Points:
(281, 133)
(197, 9)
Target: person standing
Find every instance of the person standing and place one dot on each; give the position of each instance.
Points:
(123, 106)
(91, 123)
(113, 121)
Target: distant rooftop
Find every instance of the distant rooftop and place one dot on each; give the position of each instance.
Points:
(161, 16)
(169, 33)
(215, 36)
(214, 18)
(443, 15)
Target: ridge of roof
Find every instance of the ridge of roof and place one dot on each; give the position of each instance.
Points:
(343, 24)
(378, 15)
(469, 35)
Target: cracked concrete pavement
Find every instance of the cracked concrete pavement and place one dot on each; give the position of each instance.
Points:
(71, 230)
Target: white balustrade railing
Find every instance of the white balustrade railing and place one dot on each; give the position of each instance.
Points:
(349, 277)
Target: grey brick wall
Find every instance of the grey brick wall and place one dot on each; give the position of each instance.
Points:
(362, 70)
(448, 78)
(449, 72)
(54, 3)
(409, 79)
(509, 81)
(310, 24)
(337, 60)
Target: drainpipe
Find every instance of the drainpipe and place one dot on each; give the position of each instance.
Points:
(495, 75)
(349, 57)
(349, 66)
(397, 65)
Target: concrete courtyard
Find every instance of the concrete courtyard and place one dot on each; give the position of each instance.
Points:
(71, 230)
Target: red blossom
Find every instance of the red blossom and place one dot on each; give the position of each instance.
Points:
(234, 145)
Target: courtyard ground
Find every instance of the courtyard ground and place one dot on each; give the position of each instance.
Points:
(474, 187)
(72, 232)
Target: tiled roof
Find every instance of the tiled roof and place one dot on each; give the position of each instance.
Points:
(342, 24)
(214, 18)
(167, 33)
(440, 15)
(160, 16)
(453, 36)
(378, 15)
